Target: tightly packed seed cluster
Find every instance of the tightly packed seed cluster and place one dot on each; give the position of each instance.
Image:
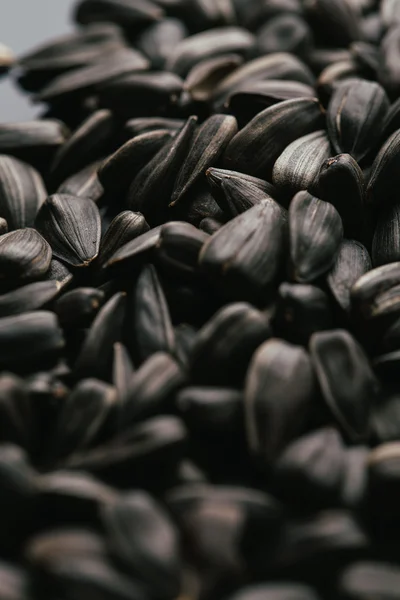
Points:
(200, 305)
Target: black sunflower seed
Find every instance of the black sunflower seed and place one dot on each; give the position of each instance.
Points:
(123, 370)
(135, 251)
(278, 397)
(24, 255)
(384, 173)
(347, 381)
(22, 192)
(125, 227)
(151, 189)
(27, 138)
(95, 357)
(238, 195)
(28, 297)
(124, 12)
(386, 241)
(366, 577)
(336, 21)
(202, 79)
(140, 125)
(208, 145)
(371, 285)
(211, 410)
(285, 33)
(84, 184)
(257, 146)
(352, 261)
(118, 171)
(78, 307)
(355, 117)
(216, 177)
(245, 255)
(315, 230)
(71, 225)
(87, 144)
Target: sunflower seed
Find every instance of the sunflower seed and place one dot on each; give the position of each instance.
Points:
(360, 579)
(315, 231)
(386, 242)
(22, 192)
(122, 370)
(355, 117)
(78, 307)
(347, 381)
(159, 40)
(285, 33)
(246, 254)
(208, 145)
(279, 391)
(71, 225)
(336, 21)
(25, 139)
(211, 410)
(124, 12)
(84, 184)
(24, 255)
(299, 164)
(257, 146)
(28, 298)
(125, 227)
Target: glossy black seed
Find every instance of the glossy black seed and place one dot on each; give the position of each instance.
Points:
(352, 261)
(125, 227)
(24, 255)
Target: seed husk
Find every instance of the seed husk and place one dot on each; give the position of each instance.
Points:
(355, 117)
(299, 164)
(386, 241)
(114, 174)
(123, 12)
(123, 370)
(87, 144)
(208, 44)
(372, 284)
(352, 261)
(338, 21)
(151, 189)
(22, 192)
(316, 231)
(24, 255)
(71, 225)
(94, 359)
(239, 195)
(211, 410)
(348, 384)
(285, 33)
(84, 184)
(255, 148)
(246, 254)
(24, 139)
(384, 173)
(215, 178)
(135, 251)
(140, 125)
(78, 307)
(278, 397)
(205, 75)
(208, 145)
(29, 339)
(28, 297)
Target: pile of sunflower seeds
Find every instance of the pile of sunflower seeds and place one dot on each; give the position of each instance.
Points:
(200, 305)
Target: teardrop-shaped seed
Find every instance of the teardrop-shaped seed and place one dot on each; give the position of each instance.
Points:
(355, 117)
(58, 272)
(87, 144)
(316, 231)
(299, 164)
(302, 309)
(118, 171)
(71, 225)
(352, 261)
(257, 146)
(85, 79)
(202, 79)
(208, 145)
(144, 538)
(341, 182)
(209, 44)
(22, 192)
(24, 255)
(371, 285)
(334, 73)
(84, 184)
(278, 397)
(245, 255)
(126, 226)
(216, 177)
(313, 465)
(225, 344)
(94, 359)
(338, 21)
(211, 411)
(123, 370)
(348, 384)
(30, 137)
(151, 321)
(151, 189)
(141, 93)
(28, 339)
(159, 40)
(123, 12)
(255, 96)
(136, 250)
(280, 65)
(28, 297)
(240, 195)
(179, 248)
(386, 242)
(381, 188)
(81, 417)
(151, 388)
(78, 307)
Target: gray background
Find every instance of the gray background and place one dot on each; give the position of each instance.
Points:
(24, 24)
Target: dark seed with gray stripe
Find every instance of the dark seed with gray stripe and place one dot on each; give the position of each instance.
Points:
(24, 255)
